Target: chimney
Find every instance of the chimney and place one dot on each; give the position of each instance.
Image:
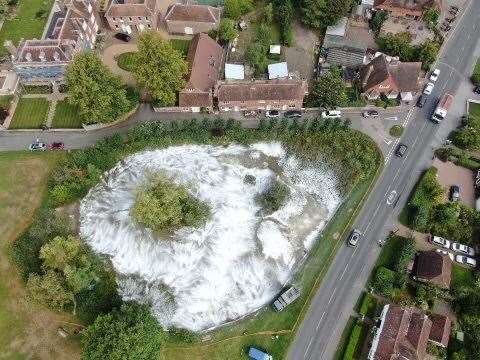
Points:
(42, 56)
(28, 56)
(56, 56)
(10, 47)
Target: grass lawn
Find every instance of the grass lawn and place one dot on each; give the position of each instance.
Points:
(181, 45)
(25, 24)
(231, 342)
(462, 277)
(474, 110)
(27, 331)
(390, 250)
(125, 61)
(30, 113)
(5, 101)
(66, 116)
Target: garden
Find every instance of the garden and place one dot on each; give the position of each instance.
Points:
(66, 116)
(82, 169)
(30, 113)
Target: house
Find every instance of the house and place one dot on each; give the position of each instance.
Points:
(403, 333)
(407, 8)
(73, 28)
(205, 58)
(434, 268)
(191, 19)
(261, 95)
(388, 76)
(132, 15)
(278, 71)
(440, 332)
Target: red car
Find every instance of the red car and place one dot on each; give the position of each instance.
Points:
(56, 146)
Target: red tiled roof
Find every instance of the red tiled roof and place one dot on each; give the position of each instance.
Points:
(440, 332)
(193, 13)
(433, 267)
(261, 90)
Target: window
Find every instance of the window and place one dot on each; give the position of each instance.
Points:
(149, 26)
(130, 18)
(116, 26)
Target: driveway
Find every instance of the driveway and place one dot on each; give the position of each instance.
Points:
(109, 56)
(450, 174)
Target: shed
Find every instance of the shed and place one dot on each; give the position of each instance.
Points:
(234, 72)
(277, 71)
(339, 29)
(275, 49)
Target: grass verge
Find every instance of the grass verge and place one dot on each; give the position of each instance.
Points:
(66, 116)
(126, 61)
(30, 113)
(344, 339)
(462, 277)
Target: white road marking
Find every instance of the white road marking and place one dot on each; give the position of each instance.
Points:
(393, 118)
(331, 296)
(344, 271)
(320, 321)
(388, 142)
(308, 347)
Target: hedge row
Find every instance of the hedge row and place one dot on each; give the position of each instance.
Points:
(353, 342)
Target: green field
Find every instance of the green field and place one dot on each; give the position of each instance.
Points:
(261, 330)
(474, 110)
(66, 116)
(125, 61)
(30, 113)
(25, 24)
(5, 101)
(181, 45)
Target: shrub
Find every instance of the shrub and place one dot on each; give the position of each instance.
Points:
(367, 307)
(377, 20)
(353, 342)
(406, 254)
(273, 197)
(384, 280)
(396, 131)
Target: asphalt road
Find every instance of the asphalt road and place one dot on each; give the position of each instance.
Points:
(333, 303)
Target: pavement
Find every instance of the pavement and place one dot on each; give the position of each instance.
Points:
(332, 305)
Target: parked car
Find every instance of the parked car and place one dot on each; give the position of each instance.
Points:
(37, 146)
(422, 100)
(331, 114)
(56, 146)
(428, 88)
(272, 114)
(437, 240)
(401, 150)
(465, 260)
(293, 114)
(256, 354)
(476, 90)
(354, 237)
(122, 36)
(454, 193)
(286, 298)
(463, 249)
(445, 253)
(370, 113)
(249, 113)
(434, 75)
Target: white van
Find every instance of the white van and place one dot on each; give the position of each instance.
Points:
(331, 114)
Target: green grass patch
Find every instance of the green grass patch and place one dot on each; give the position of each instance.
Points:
(474, 109)
(396, 131)
(368, 305)
(462, 277)
(5, 101)
(181, 45)
(26, 24)
(126, 61)
(354, 98)
(389, 254)
(476, 73)
(30, 113)
(66, 116)
(344, 339)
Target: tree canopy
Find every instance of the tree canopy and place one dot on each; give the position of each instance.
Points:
(227, 31)
(130, 333)
(322, 13)
(234, 9)
(99, 95)
(329, 90)
(159, 68)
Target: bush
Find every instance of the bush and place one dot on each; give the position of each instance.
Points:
(406, 254)
(377, 20)
(368, 305)
(384, 280)
(353, 342)
(273, 197)
(396, 131)
(126, 61)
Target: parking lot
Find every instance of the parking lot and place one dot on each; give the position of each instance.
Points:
(450, 174)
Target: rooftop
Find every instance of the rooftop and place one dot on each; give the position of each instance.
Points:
(434, 267)
(193, 13)
(278, 70)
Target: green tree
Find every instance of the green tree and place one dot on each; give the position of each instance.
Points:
(384, 281)
(377, 20)
(50, 289)
(273, 197)
(427, 53)
(329, 90)
(267, 13)
(407, 251)
(397, 45)
(431, 17)
(283, 17)
(322, 13)
(131, 333)
(227, 31)
(235, 9)
(159, 68)
(256, 56)
(98, 94)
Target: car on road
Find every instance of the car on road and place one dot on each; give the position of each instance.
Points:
(293, 114)
(434, 75)
(445, 253)
(331, 114)
(422, 100)
(476, 90)
(122, 36)
(249, 113)
(272, 114)
(428, 88)
(464, 249)
(56, 146)
(401, 150)
(37, 146)
(454, 193)
(370, 113)
(440, 241)
(465, 260)
(354, 237)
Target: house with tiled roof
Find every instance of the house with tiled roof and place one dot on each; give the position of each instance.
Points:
(279, 94)
(73, 28)
(132, 15)
(385, 75)
(434, 268)
(409, 8)
(188, 19)
(206, 60)
(440, 332)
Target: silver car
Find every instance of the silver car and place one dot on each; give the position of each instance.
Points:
(354, 237)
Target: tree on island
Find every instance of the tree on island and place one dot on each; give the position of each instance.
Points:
(128, 333)
(159, 68)
(162, 205)
(99, 95)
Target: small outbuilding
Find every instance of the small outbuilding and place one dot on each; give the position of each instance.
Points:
(275, 49)
(278, 71)
(440, 332)
(234, 72)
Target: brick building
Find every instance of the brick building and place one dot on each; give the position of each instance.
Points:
(73, 28)
(408, 8)
(281, 94)
(191, 19)
(434, 268)
(132, 15)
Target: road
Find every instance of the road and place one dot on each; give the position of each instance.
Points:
(333, 303)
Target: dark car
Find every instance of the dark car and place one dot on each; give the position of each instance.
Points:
(123, 37)
(401, 150)
(454, 193)
(476, 89)
(272, 113)
(370, 113)
(354, 237)
(56, 146)
(422, 100)
(293, 114)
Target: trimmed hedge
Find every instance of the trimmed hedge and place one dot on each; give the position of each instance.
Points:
(353, 342)
(368, 305)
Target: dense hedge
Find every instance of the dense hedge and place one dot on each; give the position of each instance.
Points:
(353, 342)
(368, 304)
